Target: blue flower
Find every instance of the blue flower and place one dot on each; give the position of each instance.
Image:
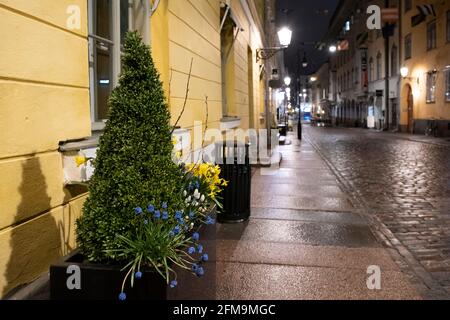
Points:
(200, 248)
(178, 215)
(192, 215)
(171, 234)
(157, 215)
(210, 221)
(200, 272)
(164, 205)
(138, 211)
(197, 185)
(151, 208)
(205, 257)
(122, 296)
(191, 250)
(195, 267)
(196, 236)
(165, 215)
(138, 275)
(145, 221)
(173, 284)
(177, 230)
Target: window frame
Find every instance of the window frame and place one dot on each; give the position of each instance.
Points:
(431, 35)
(448, 26)
(447, 86)
(407, 5)
(115, 46)
(430, 96)
(394, 61)
(379, 66)
(408, 46)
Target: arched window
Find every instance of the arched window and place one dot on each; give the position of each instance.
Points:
(379, 66)
(394, 61)
(371, 70)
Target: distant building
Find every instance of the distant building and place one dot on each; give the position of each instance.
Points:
(425, 55)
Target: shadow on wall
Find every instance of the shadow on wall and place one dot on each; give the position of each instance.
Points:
(35, 242)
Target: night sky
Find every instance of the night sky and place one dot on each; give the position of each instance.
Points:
(309, 23)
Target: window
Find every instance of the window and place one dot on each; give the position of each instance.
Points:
(448, 26)
(447, 85)
(394, 61)
(108, 22)
(431, 86)
(408, 47)
(431, 35)
(408, 5)
(371, 70)
(379, 66)
(227, 37)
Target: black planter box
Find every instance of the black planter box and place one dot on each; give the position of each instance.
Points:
(102, 282)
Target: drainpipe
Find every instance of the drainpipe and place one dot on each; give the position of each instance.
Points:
(386, 68)
(267, 93)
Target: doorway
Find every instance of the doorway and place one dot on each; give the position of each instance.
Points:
(410, 108)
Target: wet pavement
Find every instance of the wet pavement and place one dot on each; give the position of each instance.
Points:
(402, 186)
(342, 200)
(305, 239)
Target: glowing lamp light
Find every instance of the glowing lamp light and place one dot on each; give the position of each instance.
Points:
(404, 71)
(285, 36)
(287, 81)
(332, 48)
(313, 79)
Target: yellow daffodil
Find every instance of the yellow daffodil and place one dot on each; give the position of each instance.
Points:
(210, 174)
(81, 160)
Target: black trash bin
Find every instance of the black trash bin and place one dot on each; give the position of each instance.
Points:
(233, 159)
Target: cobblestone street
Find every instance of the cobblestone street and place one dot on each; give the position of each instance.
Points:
(403, 188)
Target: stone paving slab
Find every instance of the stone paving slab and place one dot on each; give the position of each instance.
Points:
(307, 216)
(302, 203)
(302, 174)
(238, 281)
(290, 190)
(296, 232)
(257, 252)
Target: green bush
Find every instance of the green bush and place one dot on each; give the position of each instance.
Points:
(134, 164)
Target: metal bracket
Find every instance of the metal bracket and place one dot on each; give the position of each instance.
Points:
(267, 53)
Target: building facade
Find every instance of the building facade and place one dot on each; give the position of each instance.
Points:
(425, 57)
(59, 61)
(371, 91)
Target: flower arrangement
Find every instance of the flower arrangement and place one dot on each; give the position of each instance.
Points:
(144, 211)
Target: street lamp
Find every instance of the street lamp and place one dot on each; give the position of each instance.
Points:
(404, 71)
(284, 36)
(313, 79)
(287, 81)
(332, 48)
(304, 61)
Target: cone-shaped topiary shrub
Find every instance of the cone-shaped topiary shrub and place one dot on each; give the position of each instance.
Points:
(134, 164)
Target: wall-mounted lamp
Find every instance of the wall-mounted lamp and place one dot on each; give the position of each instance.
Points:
(313, 79)
(332, 48)
(284, 36)
(404, 72)
(287, 81)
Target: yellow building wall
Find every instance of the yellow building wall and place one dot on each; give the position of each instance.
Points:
(44, 99)
(423, 61)
(185, 30)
